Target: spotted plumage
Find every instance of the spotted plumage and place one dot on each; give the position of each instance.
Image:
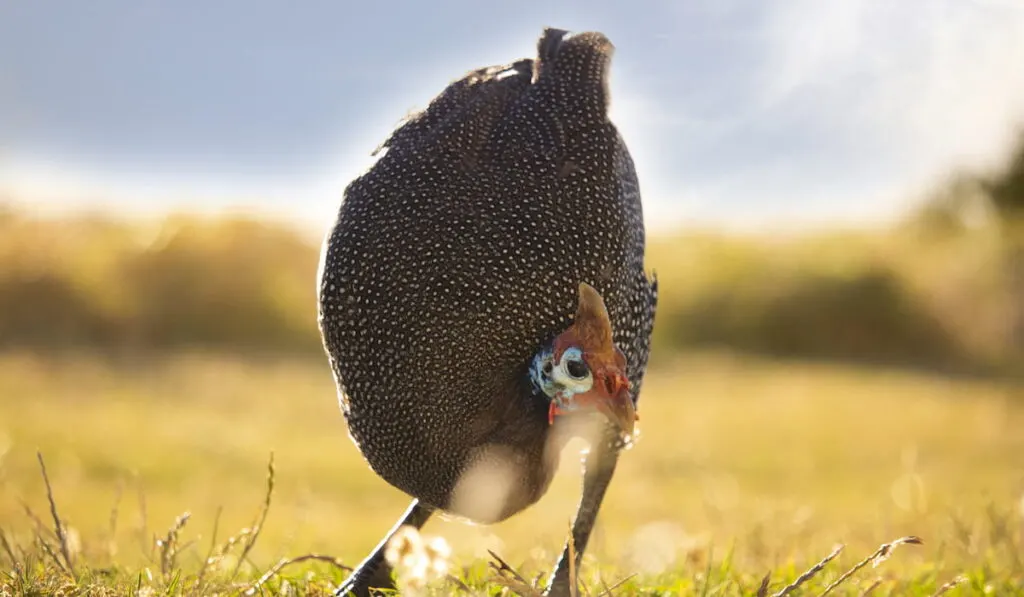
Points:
(457, 257)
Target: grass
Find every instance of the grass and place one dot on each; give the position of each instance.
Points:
(745, 467)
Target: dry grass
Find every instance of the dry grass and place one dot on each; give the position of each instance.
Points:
(177, 581)
(743, 467)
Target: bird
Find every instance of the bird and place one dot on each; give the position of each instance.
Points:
(482, 296)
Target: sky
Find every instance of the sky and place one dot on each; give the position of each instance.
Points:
(738, 113)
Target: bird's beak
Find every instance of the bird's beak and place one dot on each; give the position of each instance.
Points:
(614, 400)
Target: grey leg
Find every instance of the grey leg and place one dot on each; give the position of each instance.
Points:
(374, 572)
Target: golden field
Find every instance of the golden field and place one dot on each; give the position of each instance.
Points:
(759, 465)
(806, 390)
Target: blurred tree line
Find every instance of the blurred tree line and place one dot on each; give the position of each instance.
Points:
(943, 289)
(94, 283)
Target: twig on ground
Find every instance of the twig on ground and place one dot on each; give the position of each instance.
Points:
(62, 535)
(806, 576)
(458, 583)
(269, 574)
(41, 528)
(949, 585)
(168, 545)
(231, 542)
(213, 546)
(260, 519)
(586, 590)
(881, 554)
(608, 590)
(48, 550)
(762, 591)
(522, 589)
(870, 588)
(7, 548)
(507, 576)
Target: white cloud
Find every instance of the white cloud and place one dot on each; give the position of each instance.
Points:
(808, 44)
(922, 86)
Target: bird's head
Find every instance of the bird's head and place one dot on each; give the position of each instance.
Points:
(583, 371)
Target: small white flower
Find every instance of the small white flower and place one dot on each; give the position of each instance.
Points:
(417, 561)
(404, 548)
(438, 551)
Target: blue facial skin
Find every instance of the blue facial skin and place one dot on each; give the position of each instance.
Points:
(561, 382)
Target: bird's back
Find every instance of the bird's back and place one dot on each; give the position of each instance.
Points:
(458, 254)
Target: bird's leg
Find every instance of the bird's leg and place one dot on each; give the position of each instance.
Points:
(597, 475)
(374, 572)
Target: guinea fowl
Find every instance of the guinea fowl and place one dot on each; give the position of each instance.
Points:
(482, 292)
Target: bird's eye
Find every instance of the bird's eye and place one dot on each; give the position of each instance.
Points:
(573, 365)
(577, 369)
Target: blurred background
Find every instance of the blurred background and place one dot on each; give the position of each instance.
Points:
(834, 195)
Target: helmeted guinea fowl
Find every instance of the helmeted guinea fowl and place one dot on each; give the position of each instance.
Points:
(484, 279)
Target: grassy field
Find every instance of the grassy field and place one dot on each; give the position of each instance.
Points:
(744, 466)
